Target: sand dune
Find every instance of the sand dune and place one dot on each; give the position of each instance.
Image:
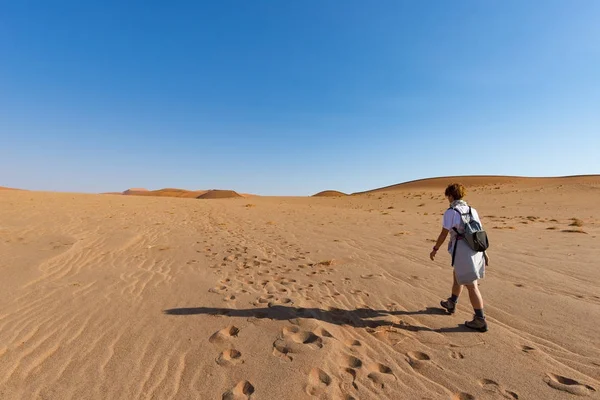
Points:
(330, 193)
(182, 193)
(167, 192)
(219, 194)
(135, 190)
(135, 297)
(488, 180)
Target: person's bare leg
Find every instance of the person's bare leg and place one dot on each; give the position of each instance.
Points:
(456, 288)
(475, 296)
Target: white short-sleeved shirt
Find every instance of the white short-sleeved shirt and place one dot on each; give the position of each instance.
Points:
(453, 220)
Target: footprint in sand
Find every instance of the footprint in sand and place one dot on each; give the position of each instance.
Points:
(457, 355)
(568, 385)
(307, 338)
(418, 360)
(265, 299)
(352, 343)
(219, 289)
(352, 374)
(323, 332)
(318, 381)
(379, 374)
(351, 361)
(296, 335)
(278, 301)
(492, 386)
(229, 358)
(281, 350)
(242, 391)
(223, 335)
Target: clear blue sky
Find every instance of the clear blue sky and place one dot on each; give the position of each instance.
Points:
(294, 97)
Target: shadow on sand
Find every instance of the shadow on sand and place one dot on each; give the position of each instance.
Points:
(359, 318)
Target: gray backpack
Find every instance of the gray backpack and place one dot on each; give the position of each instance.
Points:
(474, 235)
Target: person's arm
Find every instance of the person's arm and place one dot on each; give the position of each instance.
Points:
(440, 241)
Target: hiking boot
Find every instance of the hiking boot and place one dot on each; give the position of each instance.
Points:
(449, 305)
(477, 324)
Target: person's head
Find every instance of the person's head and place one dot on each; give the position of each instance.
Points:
(455, 191)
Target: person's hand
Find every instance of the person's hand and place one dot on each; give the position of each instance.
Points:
(487, 259)
(432, 254)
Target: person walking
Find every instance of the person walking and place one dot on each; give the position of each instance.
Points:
(468, 265)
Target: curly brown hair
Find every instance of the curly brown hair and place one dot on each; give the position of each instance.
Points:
(456, 190)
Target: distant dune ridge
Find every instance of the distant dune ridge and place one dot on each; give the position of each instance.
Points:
(182, 193)
(135, 190)
(330, 193)
(427, 183)
(424, 184)
(219, 194)
(486, 180)
(167, 192)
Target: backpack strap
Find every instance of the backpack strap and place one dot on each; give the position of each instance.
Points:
(458, 235)
(454, 250)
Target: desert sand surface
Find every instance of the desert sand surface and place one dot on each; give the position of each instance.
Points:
(135, 297)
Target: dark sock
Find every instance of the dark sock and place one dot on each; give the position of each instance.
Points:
(479, 313)
(453, 298)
